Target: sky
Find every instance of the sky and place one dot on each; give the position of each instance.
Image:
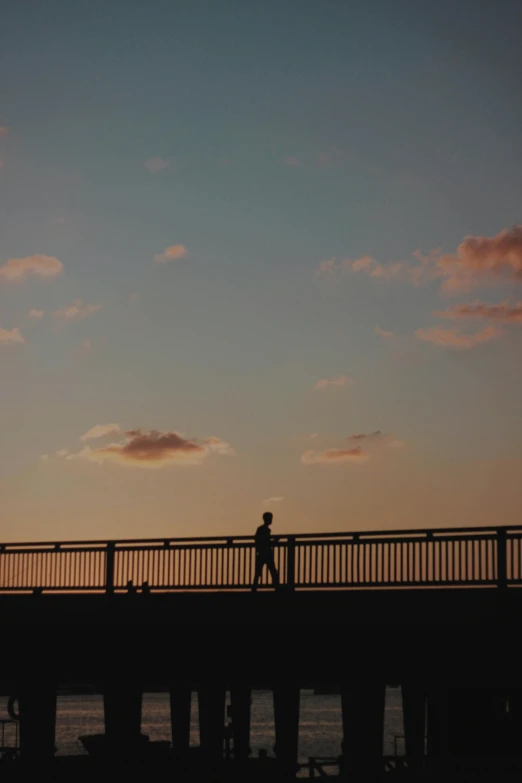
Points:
(259, 256)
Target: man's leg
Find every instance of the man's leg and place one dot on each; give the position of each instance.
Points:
(273, 572)
(259, 569)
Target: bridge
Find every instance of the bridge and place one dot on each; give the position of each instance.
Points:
(436, 611)
(437, 558)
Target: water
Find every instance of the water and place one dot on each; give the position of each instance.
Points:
(320, 732)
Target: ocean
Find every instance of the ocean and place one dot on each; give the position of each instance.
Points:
(320, 732)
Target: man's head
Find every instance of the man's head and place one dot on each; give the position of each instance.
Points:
(267, 518)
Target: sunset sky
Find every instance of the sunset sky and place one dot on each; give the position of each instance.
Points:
(259, 255)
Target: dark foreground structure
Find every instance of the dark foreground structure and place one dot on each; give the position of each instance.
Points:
(437, 612)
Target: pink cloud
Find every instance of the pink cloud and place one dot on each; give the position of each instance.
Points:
(153, 165)
(76, 311)
(326, 267)
(383, 333)
(503, 312)
(451, 338)
(100, 431)
(11, 336)
(19, 269)
(328, 383)
(4, 130)
(377, 439)
(171, 253)
(291, 161)
(153, 449)
(333, 456)
(274, 499)
(36, 315)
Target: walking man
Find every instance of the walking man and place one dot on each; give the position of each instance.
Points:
(264, 551)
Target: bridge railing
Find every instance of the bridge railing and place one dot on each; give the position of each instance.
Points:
(411, 558)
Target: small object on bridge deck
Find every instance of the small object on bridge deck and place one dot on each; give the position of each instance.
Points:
(145, 589)
(131, 589)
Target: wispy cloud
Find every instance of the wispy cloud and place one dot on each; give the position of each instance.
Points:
(477, 261)
(153, 165)
(77, 311)
(377, 438)
(100, 431)
(291, 161)
(171, 253)
(334, 456)
(383, 333)
(19, 269)
(275, 499)
(502, 312)
(35, 315)
(149, 449)
(452, 338)
(11, 336)
(326, 267)
(329, 383)
(4, 130)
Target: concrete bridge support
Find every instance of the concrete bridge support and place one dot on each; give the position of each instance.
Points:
(180, 708)
(286, 714)
(240, 700)
(211, 700)
(37, 704)
(122, 702)
(363, 727)
(414, 715)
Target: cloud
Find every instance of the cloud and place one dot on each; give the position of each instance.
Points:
(219, 446)
(478, 260)
(36, 315)
(19, 269)
(4, 130)
(326, 267)
(328, 383)
(8, 337)
(275, 499)
(76, 311)
(383, 333)
(451, 338)
(291, 161)
(172, 253)
(133, 298)
(333, 456)
(377, 438)
(502, 312)
(152, 449)
(100, 430)
(44, 457)
(153, 165)
(62, 453)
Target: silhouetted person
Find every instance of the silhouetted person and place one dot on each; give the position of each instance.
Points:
(264, 552)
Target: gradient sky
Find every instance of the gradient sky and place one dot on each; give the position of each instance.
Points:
(241, 233)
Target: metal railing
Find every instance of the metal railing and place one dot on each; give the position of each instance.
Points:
(388, 559)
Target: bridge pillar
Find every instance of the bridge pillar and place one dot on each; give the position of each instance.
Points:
(122, 702)
(363, 727)
(286, 714)
(37, 705)
(437, 720)
(180, 708)
(414, 716)
(211, 700)
(240, 699)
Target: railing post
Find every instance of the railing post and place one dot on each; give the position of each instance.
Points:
(501, 558)
(290, 563)
(109, 567)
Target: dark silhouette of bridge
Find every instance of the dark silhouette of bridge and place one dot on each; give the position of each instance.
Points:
(437, 611)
